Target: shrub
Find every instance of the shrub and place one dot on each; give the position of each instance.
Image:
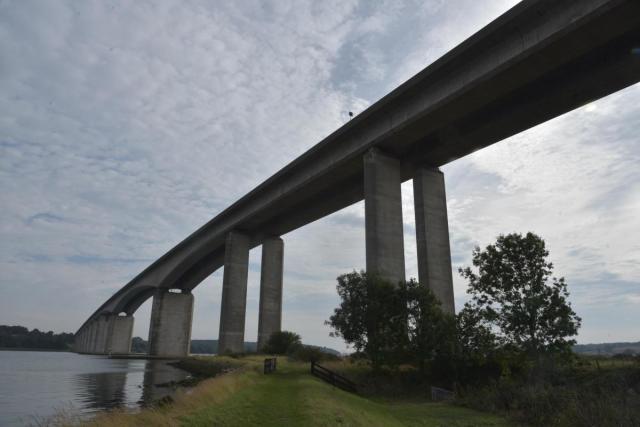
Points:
(282, 342)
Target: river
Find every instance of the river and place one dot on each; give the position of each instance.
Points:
(35, 385)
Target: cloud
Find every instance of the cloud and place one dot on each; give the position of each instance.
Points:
(124, 126)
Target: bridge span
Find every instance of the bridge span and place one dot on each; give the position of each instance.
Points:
(540, 59)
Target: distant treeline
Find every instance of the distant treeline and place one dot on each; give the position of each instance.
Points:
(138, 345)
(608, 349)
(21, 337)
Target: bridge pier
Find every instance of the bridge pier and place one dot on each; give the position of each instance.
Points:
(82, 341)
(119, 338)
(91, 342)
(432, 235)
(102, 335)
(270, 311)
(87, 339)
(234, 293)
(383, 216)
(84, 335)
(170, 326)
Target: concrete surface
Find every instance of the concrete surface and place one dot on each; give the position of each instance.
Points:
(432, 235)
(271, 274)
(170, 325)
(120, 330)
(383, 216)
(234, 293)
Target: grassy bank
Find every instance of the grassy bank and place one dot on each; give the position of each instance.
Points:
(288, 397)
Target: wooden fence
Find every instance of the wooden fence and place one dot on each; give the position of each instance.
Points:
(333, 378)
(270, 365)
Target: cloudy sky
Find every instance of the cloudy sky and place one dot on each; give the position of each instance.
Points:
(125, 126)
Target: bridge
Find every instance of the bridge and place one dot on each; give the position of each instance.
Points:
(540, 59)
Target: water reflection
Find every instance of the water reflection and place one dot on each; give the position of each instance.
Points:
(159, 378)
(102, 390)
(38, 384)
(135, 382)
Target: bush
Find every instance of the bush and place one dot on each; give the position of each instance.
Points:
(551, 394)
(307, 353)
(282, 342)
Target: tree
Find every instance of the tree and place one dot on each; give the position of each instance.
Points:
(432, 332)
(371, 317)
(282, 342)
(392, 324)
(514, 291)
(476, 340)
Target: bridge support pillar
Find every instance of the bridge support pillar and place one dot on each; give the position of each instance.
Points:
(91, 337)
(84, 335)
(383, 216)
(432, 235)
(86, 339)
(234, 293)
(80, 340)
(119, 338)
(102, 334)
(270, 315)
(170, 326)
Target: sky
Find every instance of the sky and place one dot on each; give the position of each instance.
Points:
(125, 126)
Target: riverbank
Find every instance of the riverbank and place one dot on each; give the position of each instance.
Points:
(244, 396)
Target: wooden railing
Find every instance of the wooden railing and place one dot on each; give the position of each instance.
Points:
(440, 394)
(333, 378)
(270, 365)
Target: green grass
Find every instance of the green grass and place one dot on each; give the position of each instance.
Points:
(292, 397)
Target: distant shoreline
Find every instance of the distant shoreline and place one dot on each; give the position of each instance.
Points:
(56, 350)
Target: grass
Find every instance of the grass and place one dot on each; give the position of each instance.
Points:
(289, 397)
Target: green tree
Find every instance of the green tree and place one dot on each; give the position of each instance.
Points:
(432, 332)
(282, 342)
(514, 291)
(476, 340)
(393, 324)
(371, 317)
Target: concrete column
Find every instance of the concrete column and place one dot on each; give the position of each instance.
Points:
(102, 335)
(78, 341)
(170, 326)
(83, 341)
(432, 235)
(234, 293)
(93, 331)
(120, 330)
(383, 216)
(270, 315)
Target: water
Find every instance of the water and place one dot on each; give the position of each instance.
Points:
(36, 385)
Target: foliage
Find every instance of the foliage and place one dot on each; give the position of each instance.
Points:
(289, 396)
(371, 317)
(21, 337)
(282, 342)
(309, 353)
(432, 333)
(392, 324)
(476, 339)
(514, 291)
(139, 345)
(564, 395)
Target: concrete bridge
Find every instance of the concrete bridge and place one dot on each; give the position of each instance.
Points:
(539, 60)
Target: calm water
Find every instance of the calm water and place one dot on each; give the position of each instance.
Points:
(34, 385)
